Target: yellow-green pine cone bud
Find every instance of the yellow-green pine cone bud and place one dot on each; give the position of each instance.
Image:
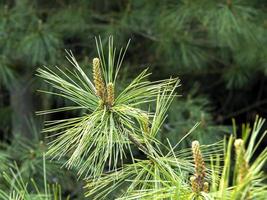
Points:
(98, 81)
(241, 162)
(198, 159)
(110, 94)
(238, 143)
(145, 124)
(194, 184)
(206, 187)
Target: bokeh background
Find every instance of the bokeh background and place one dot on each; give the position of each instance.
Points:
(218, 48)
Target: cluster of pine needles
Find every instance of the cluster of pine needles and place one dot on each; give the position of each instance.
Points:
(115, 122)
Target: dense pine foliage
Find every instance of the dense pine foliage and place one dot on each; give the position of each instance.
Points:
(218, 50)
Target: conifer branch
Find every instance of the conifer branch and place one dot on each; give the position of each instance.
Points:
(138, 144)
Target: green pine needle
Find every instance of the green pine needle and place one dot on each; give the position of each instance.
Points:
(97, 141)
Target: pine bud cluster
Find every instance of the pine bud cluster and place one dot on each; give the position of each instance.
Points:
(104, 92)
(241, 163)
(110, 94)
(98, 81)
(198, 179)
(145, 124)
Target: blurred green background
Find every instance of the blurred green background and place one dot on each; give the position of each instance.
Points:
(217, 48)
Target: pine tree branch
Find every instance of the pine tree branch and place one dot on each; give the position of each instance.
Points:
(138, 144)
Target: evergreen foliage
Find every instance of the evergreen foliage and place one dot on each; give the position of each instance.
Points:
(113, 125)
